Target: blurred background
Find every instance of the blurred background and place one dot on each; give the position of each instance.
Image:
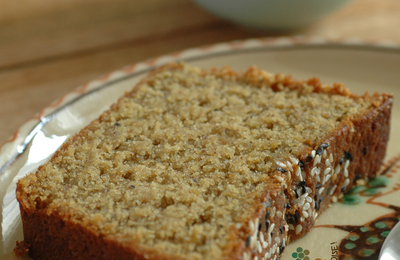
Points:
(48, 48)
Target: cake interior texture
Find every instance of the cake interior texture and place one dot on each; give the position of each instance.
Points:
(175, 165)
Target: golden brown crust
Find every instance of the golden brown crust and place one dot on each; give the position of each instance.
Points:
(50, 234)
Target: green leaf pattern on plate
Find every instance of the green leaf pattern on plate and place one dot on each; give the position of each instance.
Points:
(370, 189)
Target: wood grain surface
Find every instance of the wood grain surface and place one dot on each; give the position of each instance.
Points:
(48, 48)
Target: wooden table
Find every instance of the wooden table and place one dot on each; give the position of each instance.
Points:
(48, 48)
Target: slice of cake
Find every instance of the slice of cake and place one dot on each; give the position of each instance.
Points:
(196, 164)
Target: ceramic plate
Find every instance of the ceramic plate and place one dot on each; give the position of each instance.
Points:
(353, 228)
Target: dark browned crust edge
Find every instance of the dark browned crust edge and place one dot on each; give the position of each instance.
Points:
(55, 236)
(365, 138)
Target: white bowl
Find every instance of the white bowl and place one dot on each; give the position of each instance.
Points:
(275, 15)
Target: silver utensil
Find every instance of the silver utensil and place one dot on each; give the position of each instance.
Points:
(391, 246)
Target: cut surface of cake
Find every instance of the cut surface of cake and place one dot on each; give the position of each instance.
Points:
(203, 164)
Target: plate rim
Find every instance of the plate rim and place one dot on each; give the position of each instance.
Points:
(24, 137)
